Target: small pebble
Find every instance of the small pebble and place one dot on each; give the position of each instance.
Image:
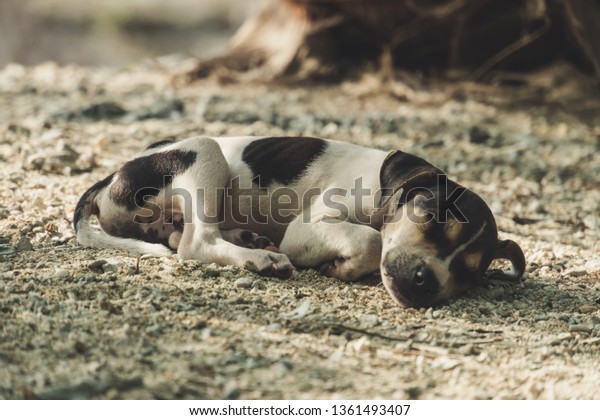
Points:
(50, 227)
(109, 268)
(197, 324)
(444, 363)
(484, 310)
(587, 309)
(360, 345)
(467, 349)
(577, 273)
(29, 287)
(155, 329)
(24, 245)
(231, 391)
(61, 274)
(581, 328)
(6, 250)
(281, 369)
(503, 313)
(244, 283)
(275, 326)
(103, 111)
(259, 285)
(560, 338)
(478, 135)
(212, 271)
(96, 266)
(369, 320)
(413, 392)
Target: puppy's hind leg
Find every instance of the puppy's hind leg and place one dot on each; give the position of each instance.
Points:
(200, 193)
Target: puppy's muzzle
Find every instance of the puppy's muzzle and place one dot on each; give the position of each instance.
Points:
(415, 285)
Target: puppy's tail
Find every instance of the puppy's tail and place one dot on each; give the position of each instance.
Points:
(89, 236)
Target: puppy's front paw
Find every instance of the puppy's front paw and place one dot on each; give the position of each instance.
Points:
(340, 268)
(269, 263)
(248, 239)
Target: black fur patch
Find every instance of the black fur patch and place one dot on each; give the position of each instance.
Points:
(147, 175)
(135, 231)
(403, 170)
(160, 143)
(282, 159)
(470, 206)
(462, 275)
(86, 195)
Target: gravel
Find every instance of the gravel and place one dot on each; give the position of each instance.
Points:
(81, 323)
(244, 283)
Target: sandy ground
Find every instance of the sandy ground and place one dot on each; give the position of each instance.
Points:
(80, 323)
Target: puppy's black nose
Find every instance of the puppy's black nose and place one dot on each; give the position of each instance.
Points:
(424, 281)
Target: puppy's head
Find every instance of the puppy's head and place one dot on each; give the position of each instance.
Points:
(439, 238)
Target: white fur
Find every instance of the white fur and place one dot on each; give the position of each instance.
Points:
(91, 237)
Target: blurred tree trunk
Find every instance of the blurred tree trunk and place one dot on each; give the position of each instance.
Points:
(584, 19)
(333, 38)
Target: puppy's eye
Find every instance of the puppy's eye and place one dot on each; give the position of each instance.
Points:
(424, 278)
(419, 277)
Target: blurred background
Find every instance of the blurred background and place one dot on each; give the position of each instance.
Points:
(322, 39)
(115, 32)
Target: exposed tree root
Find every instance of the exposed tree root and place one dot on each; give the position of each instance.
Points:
(331, 39)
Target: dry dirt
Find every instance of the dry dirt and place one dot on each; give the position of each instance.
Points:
(81, 323)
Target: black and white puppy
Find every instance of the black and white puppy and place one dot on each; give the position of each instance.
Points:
(346, 209)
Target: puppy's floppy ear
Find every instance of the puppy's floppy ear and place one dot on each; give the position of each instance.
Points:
(510, 250)
(400, 173)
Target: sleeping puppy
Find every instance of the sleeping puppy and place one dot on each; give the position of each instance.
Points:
(271, 204)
